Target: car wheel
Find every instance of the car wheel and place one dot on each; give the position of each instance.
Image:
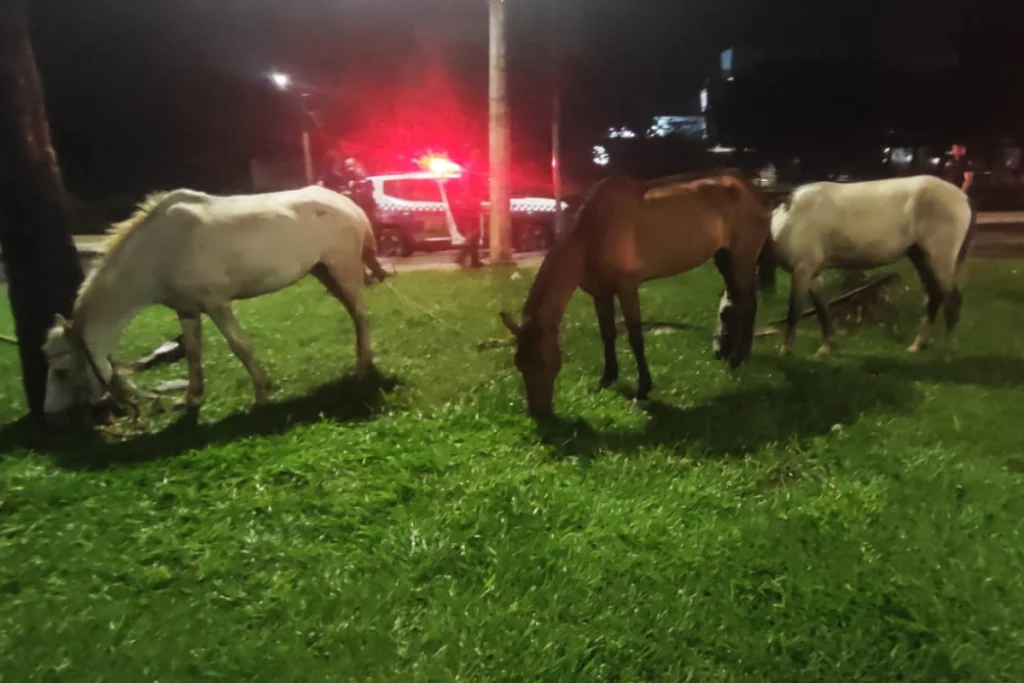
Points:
(391, 243)
(532, 237)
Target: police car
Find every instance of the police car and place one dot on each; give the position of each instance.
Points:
(432, 209)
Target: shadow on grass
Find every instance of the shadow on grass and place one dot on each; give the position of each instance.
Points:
(814, 398)
(992, 372)
(349, 399)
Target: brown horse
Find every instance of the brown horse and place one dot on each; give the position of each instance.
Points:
(627, 232)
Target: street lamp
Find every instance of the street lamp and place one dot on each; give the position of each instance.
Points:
(283, 82)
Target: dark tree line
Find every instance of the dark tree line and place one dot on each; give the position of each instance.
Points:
(39, 256)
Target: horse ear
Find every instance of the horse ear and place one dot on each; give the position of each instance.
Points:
(511, 324)
(62, 322)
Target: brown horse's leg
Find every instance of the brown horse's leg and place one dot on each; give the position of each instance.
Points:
(605, 307)
(725, 342)
(629, 298)
(737, 311)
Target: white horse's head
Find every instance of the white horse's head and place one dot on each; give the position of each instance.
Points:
(70, 382)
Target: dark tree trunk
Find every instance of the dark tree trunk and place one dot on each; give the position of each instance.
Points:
(39, 256)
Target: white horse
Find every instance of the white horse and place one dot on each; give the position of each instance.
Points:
(869, 224)
(196, 253)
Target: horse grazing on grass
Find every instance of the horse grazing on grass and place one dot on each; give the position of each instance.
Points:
(196, 253)
(628, 232)
(869, 224)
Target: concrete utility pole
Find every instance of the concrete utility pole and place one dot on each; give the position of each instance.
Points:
(307, 156)
(43, 270)
(500, 141)
(556, 120)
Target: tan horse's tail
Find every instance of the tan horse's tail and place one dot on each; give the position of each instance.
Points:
(370, 255)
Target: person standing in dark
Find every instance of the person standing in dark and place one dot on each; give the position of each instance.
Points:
(358, 186)
(464, 200)
(958, 169)
(469, 226)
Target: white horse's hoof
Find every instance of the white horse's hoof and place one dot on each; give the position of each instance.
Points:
(824, 350)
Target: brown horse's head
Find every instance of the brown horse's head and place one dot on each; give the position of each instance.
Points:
(539, 358)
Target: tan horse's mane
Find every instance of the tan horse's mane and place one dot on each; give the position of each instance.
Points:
(120, 232)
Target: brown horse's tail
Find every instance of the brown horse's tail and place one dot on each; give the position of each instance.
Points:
(766, 264)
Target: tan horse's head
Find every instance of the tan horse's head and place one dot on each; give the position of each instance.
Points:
(538, 358)
(69, 382)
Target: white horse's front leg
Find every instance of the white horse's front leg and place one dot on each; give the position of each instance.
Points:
(192, 339)
(224, 318)
(798, 289)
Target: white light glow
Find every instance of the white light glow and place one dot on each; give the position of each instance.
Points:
(281, 80)
(624, 133)
(441, 166)
(601, 157)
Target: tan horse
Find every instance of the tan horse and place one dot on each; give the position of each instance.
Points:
(870, 224)
(628, 232)
(196, 253)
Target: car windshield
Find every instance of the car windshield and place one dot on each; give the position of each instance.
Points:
(467, 188)
(413, 189)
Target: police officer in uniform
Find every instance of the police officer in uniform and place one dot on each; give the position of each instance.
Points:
(958, 169)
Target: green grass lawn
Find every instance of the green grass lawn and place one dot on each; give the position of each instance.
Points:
(857, 518)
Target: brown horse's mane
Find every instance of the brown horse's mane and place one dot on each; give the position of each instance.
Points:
(689, 176)
(692, 176)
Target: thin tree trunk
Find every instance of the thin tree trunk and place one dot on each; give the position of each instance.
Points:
(39, 256)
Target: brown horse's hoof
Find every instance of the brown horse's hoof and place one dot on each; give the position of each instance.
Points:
(825, 349)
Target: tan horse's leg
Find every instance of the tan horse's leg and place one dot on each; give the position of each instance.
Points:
(821, 312)
(605, 308)
(934, 289)
(799, 290)
(629, 298)
(192, 340)
(350, 294)
(224, 318)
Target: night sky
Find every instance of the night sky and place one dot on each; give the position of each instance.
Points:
(144, 94)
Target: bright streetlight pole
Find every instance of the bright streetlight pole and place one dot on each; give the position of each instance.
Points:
(283, 82)
(500, 140)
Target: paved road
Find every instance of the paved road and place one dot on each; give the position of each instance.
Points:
(92, 245)
(1000, 235)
